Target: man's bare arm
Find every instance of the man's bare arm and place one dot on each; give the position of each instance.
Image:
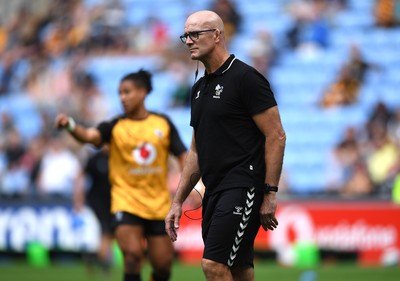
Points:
(189, 177)
(270, 125)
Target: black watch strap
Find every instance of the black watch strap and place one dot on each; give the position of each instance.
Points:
(268, 188)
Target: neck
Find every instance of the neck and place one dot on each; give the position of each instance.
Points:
(214, 62)
(138, 115)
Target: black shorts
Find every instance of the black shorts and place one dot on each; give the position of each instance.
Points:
(104, 217)
(231, 221)
(151, 227)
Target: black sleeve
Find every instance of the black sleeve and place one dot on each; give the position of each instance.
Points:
(256, 92)
(105, 129)
(177, 147)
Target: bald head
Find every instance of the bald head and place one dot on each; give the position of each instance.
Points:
(205, 19)
(209, 47)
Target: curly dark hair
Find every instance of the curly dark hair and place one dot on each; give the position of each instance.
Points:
(141, 78)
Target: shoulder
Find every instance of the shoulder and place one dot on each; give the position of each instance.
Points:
(159, 115)
(114, 119)
(109, 124)
(239, 64)
(162, 117)
(243, 71)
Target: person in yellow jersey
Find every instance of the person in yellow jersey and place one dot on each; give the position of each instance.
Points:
(140, 143)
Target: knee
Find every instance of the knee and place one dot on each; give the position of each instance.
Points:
(132, 257)
(212, 270)
(162, 266)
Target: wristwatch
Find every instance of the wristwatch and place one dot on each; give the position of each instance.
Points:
(268, 188)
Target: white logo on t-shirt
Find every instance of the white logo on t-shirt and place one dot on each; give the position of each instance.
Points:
(218, 91)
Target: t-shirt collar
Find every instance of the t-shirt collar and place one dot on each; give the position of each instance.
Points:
(224, 67)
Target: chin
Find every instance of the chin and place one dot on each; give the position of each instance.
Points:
(193, 57)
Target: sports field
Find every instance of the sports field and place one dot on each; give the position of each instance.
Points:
(264, 271)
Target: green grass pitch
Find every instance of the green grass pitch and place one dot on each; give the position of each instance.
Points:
(263, 271)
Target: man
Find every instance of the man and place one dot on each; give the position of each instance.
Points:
(97, 196)
(139, 142)
(237, 149)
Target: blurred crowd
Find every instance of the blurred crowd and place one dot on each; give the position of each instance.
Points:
(43, 50)
(366, 161)
(45, 44)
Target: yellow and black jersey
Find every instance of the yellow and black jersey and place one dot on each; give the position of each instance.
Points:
(138, 163)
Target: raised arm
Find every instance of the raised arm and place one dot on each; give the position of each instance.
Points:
(80, 133)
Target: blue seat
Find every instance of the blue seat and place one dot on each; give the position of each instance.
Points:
(306, 179)
(354, 19)
(159, 99)
(24, 114)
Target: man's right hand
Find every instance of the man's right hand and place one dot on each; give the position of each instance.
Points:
(172, 221)
(62, 121)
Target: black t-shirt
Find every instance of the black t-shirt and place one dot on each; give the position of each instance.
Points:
(230, 146)
(99, 193)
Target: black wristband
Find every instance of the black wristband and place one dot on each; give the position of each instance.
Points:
(268, 188)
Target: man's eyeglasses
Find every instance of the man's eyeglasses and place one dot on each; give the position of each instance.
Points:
(194, 35)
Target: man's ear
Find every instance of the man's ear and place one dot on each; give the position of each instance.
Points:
(217, 35)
